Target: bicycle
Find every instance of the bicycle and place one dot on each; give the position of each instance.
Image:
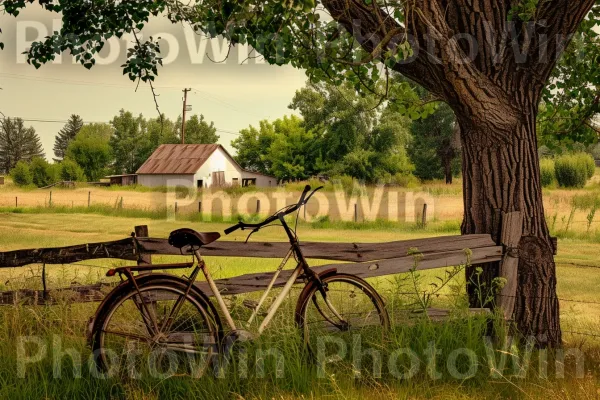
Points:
(170, 317)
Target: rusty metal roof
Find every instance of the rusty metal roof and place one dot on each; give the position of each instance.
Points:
(182, 159)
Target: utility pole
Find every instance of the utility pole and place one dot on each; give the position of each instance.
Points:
(185, 92)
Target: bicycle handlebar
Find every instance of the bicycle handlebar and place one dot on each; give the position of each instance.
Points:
(303, 200)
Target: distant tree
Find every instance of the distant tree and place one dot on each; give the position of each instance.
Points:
(252, 146)
(292, 152)
(91, 150)
(21, 174)
(17, 143)
(129, 142)
(71, 171)
(357, 135)
(42, 173)
(337, 116)
(66, 135)
(197, 130)
(434, 149)
(161, 132)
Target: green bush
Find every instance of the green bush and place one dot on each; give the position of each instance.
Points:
(21, 174)
(41, 172)
(573, 170)
(71, 171)
(547, 173)
(589, 163)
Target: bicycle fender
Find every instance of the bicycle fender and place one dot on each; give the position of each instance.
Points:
(307, 289)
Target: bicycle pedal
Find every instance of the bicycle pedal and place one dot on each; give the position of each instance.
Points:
(251, 304)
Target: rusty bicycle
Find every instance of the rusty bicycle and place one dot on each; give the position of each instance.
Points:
(160, 320)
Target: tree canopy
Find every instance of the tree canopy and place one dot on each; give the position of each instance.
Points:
(340, 133)
(66, 135)
(91, 150)
(17, 143)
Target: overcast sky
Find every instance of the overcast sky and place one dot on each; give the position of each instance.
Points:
(232, 94)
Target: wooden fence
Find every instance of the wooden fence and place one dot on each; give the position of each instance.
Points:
(366, 260)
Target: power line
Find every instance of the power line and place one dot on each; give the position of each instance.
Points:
(60, 121)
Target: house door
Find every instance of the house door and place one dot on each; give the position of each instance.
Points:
(200, 184)
(218, 178)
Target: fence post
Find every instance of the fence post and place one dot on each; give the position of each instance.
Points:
(50, 201)
(199, 207)
(142, 231)
(257, 206)
(355, 212)
(175, 208)
(89, 198)
(16, 202)
(424, 216)
(512, 230)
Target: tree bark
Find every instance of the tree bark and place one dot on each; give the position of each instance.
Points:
(504, 175)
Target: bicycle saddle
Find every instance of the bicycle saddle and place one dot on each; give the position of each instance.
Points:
(188, 237)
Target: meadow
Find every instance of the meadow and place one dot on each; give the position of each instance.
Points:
(473, 372)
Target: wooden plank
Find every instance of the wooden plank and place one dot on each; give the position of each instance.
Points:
(355, 252)
(352, 252)
(122, 249)
(512, 230)
(259, 281)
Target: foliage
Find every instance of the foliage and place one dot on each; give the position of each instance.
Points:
(572, 98)
(589, 163)
(434, 146)
(17, 143)
(42, 173)
(129, 143)
(292, 151)
(573, 170)
(21, 174)
(354, 135)
(547, 174)
(91, 150)
(70, 171)
(66, 135)
(197, 131)
(251, 146)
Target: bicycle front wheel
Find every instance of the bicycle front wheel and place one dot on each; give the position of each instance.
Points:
(349, 308)
(160, 331)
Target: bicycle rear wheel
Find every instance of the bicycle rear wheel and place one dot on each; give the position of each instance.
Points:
(163, 332)
(349, 308)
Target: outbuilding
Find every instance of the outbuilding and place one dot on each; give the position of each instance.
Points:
(199, 165)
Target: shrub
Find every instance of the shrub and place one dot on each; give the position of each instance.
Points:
(587, 160)
(71, 171)
(572, 170)
(404, 180)
(21, 174)
(41, 172)
(547, 173)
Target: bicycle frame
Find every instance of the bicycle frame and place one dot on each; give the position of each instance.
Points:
(301, 267)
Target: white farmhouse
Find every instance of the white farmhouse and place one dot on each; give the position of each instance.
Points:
(200, 165)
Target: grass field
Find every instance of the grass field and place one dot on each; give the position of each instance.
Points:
(300, 378)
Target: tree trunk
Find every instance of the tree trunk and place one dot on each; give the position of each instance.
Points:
(501, 174)
(447, 161)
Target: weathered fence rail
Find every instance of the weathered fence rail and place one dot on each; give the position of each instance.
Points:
(366, 260)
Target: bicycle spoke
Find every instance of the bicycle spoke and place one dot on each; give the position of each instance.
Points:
(127, 335)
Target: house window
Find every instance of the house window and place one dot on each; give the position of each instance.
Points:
(200, 184)
(235, 182)
(249, 182)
